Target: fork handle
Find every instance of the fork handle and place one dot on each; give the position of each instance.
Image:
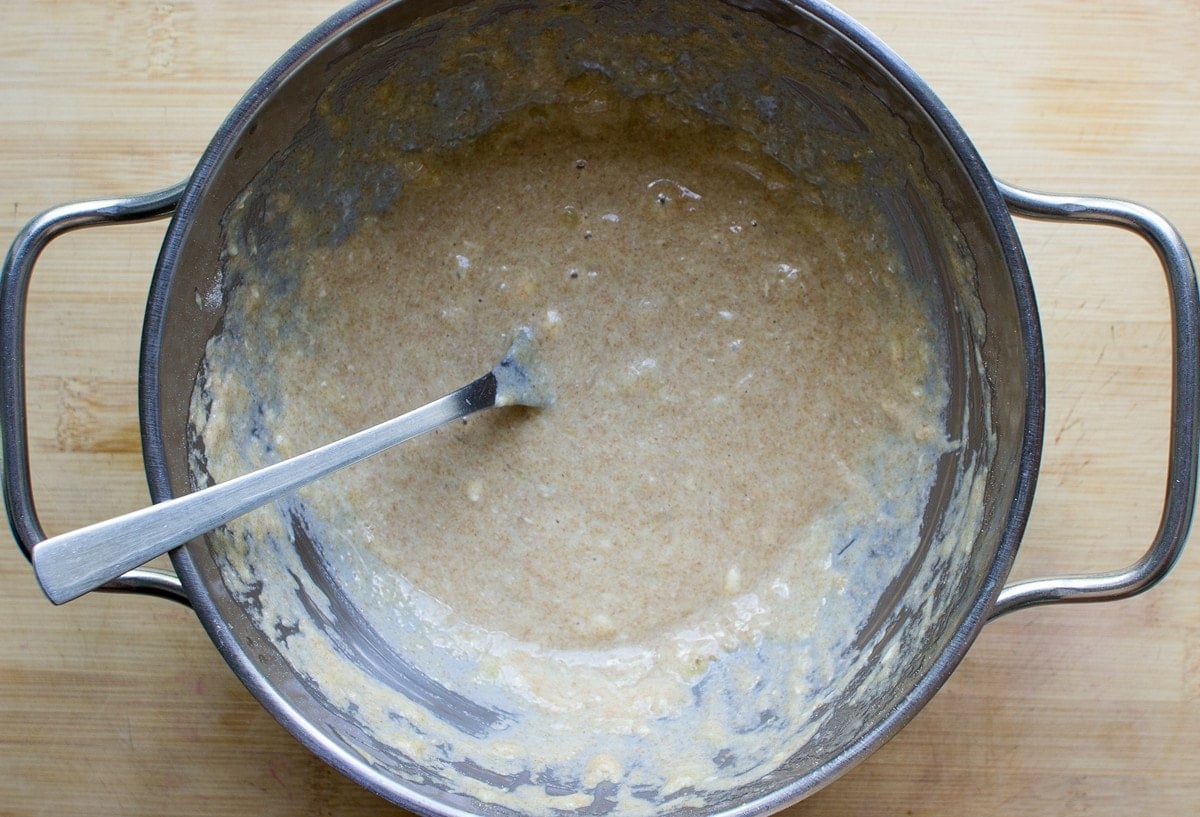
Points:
(71, 564)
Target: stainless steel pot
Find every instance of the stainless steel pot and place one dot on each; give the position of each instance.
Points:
(945, 205)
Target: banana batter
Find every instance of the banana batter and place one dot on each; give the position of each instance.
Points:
(673, 557)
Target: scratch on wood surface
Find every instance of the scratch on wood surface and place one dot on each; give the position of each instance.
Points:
(1069, 422)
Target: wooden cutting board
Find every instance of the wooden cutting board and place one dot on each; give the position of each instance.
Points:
(120, 705)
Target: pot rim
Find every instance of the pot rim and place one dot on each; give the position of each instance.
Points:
(224, 142)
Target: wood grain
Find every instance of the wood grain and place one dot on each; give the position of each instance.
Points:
(119, 705)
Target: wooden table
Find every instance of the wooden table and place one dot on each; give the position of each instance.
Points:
(120, 705)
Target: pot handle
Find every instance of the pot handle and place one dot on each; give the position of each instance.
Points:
(1180, 495)
(14, 434)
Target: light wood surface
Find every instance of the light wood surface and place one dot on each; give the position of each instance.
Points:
(120, 705)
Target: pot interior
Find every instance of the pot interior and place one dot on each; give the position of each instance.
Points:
(328, 132)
